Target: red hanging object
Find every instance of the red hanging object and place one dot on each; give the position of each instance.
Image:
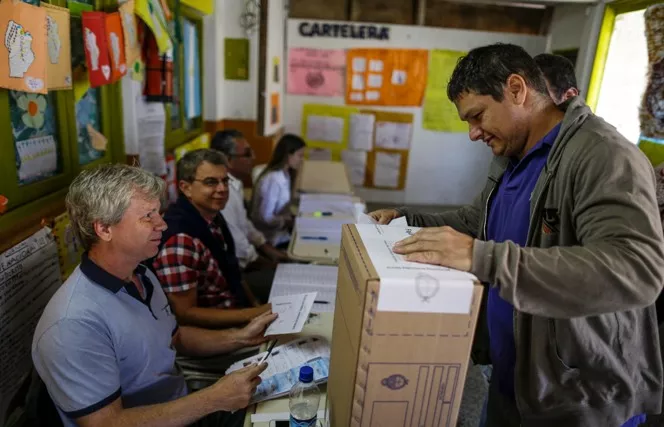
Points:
(158, 71)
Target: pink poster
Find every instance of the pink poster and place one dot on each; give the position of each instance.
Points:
(318, 72)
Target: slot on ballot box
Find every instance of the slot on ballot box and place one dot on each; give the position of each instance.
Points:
(402, 335)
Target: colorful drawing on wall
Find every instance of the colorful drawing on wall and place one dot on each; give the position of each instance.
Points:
(236, 59)
(275, 109)
(317, 72)
(192, 81)
(158, 71)
(23, 55)
(88, 113)
(439, 113)
(129, 27)
(327, 127)
(97, 55)
(151, 13)
(58, 67)
(394, 77)
(34, 128)
(115, 37)
(76, 36)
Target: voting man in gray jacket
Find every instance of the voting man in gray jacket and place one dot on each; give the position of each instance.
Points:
(583, 282)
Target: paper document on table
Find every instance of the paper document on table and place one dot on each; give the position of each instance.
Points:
(410, 286)
(293, 311)
(323, 223)
(284, 364)
(293, 279)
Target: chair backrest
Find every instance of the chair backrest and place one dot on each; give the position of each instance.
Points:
(255, 173)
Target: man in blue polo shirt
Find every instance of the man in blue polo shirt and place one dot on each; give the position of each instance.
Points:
(566, 234)
(105, 345)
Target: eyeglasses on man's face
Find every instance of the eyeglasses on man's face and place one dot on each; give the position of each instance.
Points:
(212, 182)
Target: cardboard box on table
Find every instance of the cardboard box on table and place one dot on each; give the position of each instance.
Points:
(402, 336)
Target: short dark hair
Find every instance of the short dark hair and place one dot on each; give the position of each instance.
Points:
(224, 141)
(485, 70)
(558, 72)
(189, 163)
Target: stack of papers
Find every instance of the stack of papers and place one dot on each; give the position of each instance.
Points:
(284, 366)
(293, 279)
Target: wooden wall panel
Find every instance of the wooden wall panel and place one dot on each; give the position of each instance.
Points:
(383, 11)
(488, 17)
(319, 9)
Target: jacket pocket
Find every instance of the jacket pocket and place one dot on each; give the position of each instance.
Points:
(561, 366)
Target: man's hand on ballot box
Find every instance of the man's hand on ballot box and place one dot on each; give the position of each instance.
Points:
(438, 245)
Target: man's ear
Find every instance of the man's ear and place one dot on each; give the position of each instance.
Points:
(516, 89)
(185, 188)
(570, 93)
(103, 231)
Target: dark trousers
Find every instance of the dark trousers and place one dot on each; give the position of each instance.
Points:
(501, 411)
(222, 419)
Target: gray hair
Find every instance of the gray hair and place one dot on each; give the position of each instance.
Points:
(189, 163)
(103, 195)
(224, 141)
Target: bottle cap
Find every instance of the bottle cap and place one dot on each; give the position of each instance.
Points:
(306, 374)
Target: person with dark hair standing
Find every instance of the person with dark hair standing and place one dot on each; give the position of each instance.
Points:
(567, 235)
(559, 74)
(253, 250)
(270, 210)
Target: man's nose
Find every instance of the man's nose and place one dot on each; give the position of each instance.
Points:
(475, 133)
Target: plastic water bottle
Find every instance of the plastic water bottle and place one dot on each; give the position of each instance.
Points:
(304, 400)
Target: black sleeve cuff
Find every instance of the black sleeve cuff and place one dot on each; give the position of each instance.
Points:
(95, 407)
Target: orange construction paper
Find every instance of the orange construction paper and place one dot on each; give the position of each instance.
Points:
(396, 77)
(23, 51)
(58, 47)
(116, 46)
(130, 29)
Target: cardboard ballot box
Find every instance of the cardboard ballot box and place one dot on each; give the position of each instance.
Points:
(402, 335)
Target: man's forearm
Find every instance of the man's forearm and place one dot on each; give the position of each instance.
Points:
(177, 413)
(217, 317)
(198, 342)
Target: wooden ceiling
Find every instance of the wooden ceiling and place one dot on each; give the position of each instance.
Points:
(509, 18)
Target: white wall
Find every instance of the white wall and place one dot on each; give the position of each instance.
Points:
(444, 168)
(228, 99)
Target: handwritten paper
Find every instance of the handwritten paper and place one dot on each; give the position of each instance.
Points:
(151, 133)
(38, 157)
(293, 311)
(387, 169)
(318, 72)
(439, 113)
(58, 66)
(361, 131)
(326, 129)
(23, 58)
(393, 135)
(29, 276)
(356, 164)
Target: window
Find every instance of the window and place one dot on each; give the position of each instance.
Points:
(184, 118)
(621, 65)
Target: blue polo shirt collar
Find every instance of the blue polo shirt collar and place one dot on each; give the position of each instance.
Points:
(114, 284)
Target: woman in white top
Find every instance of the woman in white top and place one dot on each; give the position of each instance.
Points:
(270, 210)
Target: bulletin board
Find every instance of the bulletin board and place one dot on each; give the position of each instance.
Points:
(443, 166)
(326, 127)
(394, 77)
